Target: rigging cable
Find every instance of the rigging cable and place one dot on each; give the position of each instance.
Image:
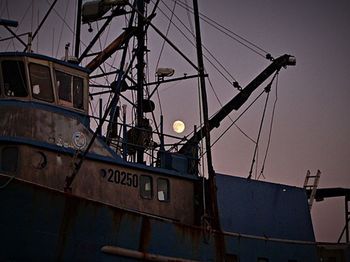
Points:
(167, 32)
(6, 9)
(243, 41)
(65, 22)
(63, 19)
(206, 49)
(240, 115)
(190, 19)
(59, 40)
(270, 131)
(217, 98)
(267, 89)
(32, 17)
(100, 43)
(8, 15)
(233, 122)
(161, 51)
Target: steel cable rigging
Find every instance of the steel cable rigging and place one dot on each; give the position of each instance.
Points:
(270, 130)
(208, 51)
(243, 41)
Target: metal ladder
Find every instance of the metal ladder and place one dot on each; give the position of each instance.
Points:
(308, 185)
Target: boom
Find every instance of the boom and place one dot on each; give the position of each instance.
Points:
(236, 102)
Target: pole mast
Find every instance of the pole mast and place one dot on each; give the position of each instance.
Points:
(140, 72)
(210, 185)
(213, 210)
(78, 29)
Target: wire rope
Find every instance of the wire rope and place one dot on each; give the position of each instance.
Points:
(204, 47)
(161, 51)
(217, 98)
(166, 34)
(8, 15)
(60, 37)
(270, 129)
(267, 89)
(258, 138)
(243, 41)
(32, 17)
(240, 115)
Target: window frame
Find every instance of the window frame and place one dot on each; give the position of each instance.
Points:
(59, 100)
(141, 189)
(81, 80)
(73, 76)
(168, 189)
(25, 78)
(35, 96)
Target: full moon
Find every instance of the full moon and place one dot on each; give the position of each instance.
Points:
(179, 126)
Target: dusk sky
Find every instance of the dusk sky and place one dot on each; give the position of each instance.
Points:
(311, 125)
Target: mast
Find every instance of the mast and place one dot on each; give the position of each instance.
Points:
(213, 209)
(140, 72)
(78, 28)
(210, 185)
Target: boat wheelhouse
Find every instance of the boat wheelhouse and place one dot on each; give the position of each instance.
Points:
(44, 108)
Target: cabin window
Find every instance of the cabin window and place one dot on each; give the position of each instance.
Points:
(146, 187)
(41, 82)
(14, 78)
(63, 83)
(70, 89)
(78, 101)
(163, 189)
(9, 159)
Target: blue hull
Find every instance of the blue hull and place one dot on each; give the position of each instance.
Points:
(44, 225)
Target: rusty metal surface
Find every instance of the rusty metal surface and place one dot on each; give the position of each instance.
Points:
(52, 225)
(73, 225)
(45, 126)
(141, 255)
(97, 181)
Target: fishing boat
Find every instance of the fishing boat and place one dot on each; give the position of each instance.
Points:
(75, 186)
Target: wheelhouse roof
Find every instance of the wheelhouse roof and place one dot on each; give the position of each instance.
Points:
(44, 57)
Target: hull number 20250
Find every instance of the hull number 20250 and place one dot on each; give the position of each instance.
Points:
(120, 177)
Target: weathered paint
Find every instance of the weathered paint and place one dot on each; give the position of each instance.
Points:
(45, 126)
(264, 209)
(50, 225)
(93, 184)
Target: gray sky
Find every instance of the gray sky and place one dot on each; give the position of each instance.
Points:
(311, 124)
